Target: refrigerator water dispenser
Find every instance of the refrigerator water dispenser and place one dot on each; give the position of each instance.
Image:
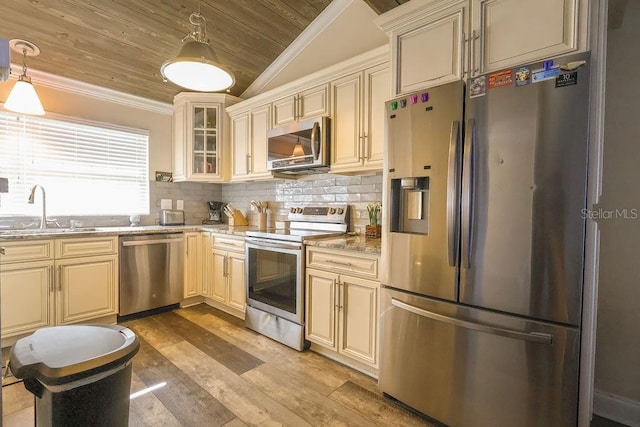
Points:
(410, 205)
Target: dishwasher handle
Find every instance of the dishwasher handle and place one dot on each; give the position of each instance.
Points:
(150, 242)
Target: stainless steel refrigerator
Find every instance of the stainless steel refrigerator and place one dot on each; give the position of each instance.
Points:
(481, 299)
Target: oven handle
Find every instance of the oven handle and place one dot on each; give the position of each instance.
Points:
(270, 244)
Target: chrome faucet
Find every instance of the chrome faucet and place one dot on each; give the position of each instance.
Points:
(43, 221)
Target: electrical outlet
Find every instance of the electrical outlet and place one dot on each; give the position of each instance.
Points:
(180, 205)
(166, 204)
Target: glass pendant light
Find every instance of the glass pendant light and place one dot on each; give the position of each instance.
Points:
(23, 98)
(196, 66)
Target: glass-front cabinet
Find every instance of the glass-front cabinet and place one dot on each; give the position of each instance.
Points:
(205, 149)
(201, 137)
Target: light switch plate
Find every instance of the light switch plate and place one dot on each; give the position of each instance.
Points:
(166, 204)
(180, 205)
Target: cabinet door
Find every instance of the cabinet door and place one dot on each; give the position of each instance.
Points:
(429, 52)
(179, 142)
(219, 283)
(236, 281)
(346, 137)
(207, 265)
(260, 119)
(515, 32)
(87, 288)
(240, 141)
(313, 102)
(193, 265)
(377, 90)
(204, 162)
(358, 302)
(320, 305)
(26, 297)
(285, 110)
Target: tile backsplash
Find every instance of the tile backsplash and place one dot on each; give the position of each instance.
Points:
(356, 191)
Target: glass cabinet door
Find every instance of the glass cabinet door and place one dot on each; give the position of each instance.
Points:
(205, 146)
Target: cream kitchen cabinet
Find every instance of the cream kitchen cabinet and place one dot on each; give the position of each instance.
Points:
(505, 33)
(201, 140)
(27, 291)
(309, 103)
(58, 282)
(249, 144)
(342, 305)
(226, 275)
(357, 128)
(435, 42)
(427, 43)
(193, 264)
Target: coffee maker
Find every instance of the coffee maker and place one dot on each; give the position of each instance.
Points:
(215, 213)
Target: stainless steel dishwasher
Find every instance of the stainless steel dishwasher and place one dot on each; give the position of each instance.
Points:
(151, 271)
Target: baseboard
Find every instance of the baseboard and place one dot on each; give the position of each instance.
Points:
(616, 408)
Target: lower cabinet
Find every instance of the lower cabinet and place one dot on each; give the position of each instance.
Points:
(193, 267)
(342, 312)
(42, 286)
(27, 297)
(86, 288)
(224, 278)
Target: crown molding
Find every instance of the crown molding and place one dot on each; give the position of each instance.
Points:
(76, 87)
(313, 30)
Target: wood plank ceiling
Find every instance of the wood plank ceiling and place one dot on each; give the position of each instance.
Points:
(121, 44)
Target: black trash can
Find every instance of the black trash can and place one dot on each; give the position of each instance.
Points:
(80, 375)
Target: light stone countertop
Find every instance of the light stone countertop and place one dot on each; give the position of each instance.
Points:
(349, 243)
(53, 233)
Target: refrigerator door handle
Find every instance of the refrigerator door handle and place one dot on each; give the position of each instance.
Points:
(467, 192)
(537, 337)
(453, 186)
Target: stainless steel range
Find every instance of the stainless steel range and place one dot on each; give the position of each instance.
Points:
(275, 271)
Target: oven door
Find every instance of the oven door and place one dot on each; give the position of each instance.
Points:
(274, 272)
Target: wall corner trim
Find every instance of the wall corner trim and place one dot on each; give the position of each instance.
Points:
(317, 26)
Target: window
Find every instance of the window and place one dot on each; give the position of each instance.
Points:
(86, 168)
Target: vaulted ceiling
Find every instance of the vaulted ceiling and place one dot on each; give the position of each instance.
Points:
(121, 44)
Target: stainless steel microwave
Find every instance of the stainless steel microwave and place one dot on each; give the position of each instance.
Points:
(299, 147)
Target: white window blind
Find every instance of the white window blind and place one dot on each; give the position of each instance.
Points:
(87, 169)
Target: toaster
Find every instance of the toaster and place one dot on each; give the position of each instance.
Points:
(169, 217)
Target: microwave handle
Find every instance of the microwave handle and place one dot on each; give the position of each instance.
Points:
(315, 140)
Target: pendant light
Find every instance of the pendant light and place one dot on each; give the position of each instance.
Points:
(196, 67)
(23, 98)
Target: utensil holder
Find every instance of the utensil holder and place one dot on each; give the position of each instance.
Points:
(237, 219)
(262, 220)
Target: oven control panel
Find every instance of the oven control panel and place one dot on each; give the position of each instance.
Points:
(337, 213)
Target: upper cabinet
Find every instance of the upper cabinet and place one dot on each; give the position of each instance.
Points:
(357, 111)
(352, 93)
(435, 42)
(512, 32)
(200, 140)
(300, 106)
(249, 144)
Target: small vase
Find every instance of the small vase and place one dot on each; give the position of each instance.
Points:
(373, 231)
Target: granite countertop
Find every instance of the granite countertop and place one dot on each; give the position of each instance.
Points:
(349, 243)
(54, 233)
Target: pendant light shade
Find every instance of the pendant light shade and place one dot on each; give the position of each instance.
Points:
(196, 66)
(23, 98)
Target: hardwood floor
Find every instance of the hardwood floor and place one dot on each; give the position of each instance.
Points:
(219, 373)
